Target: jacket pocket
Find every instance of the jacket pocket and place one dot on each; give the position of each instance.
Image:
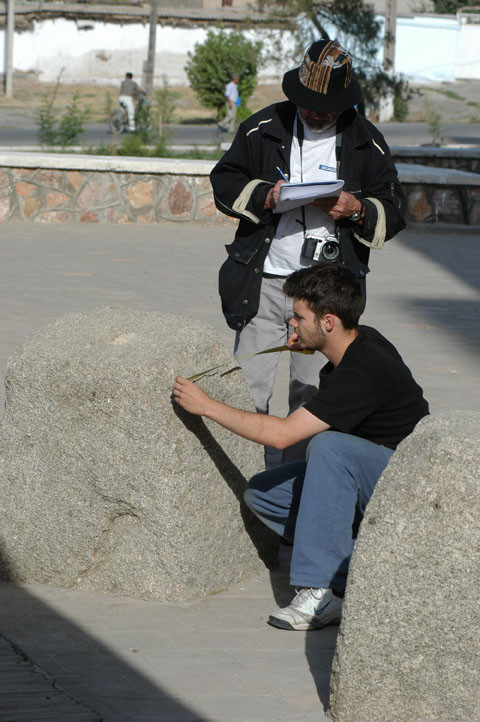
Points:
(239, 285)
(241, 252)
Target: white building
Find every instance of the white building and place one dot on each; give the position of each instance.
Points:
(93, 47)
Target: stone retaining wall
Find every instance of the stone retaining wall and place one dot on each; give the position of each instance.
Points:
(440, 195)
(65, 188)
(465, 159)
(49, 188)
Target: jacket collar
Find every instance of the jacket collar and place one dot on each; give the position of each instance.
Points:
(283, 115)
(356, 126)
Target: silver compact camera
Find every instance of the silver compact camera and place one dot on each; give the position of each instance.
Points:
(324, 250)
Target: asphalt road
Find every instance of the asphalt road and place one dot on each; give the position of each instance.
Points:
(20, 131)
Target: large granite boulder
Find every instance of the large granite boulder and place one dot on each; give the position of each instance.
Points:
(409, 642)
(104, 483)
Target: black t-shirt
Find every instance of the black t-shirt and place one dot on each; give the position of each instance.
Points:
(371, 393)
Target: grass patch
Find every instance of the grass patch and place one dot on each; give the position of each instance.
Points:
(445, 92)
(452, 95)
(197, 154)
(132, 146)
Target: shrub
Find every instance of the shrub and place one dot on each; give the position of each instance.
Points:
(400, 109)
(45, 119)
(70, 126)
(165, 101)
(210, 66)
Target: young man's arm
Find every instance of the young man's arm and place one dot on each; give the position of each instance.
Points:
(261, 428)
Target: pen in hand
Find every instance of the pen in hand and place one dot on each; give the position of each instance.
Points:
(283, 175)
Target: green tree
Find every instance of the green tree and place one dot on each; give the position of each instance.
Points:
(354, 24)
(210, 66)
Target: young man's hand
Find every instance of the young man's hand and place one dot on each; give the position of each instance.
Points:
(190, 396)
(261, 428)
(294, 343)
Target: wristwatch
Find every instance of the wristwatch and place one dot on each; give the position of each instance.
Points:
(356, 216)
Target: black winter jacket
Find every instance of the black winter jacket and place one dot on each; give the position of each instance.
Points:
(243, 177)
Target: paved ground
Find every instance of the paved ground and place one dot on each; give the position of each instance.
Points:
(213, 660)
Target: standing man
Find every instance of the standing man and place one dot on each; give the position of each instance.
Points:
(231, 103)
(316, 135)
(129, 94)
(367, 403)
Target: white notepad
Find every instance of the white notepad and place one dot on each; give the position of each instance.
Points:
(293, 195)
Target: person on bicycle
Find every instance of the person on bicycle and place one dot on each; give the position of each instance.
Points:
(129, 94)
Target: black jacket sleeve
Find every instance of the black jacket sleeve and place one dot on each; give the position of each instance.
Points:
(238, 188)
(380, 191)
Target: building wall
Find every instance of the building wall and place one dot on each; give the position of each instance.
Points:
(426, 48)
(101, 52)
(468, 62)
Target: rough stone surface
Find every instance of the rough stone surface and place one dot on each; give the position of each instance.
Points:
(418, 207)
(104, 484)
(180, 200)
(448, 206)
(409, 643)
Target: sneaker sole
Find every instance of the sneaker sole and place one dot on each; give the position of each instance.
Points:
(302, 627)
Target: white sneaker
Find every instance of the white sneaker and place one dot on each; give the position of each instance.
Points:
(310, 609)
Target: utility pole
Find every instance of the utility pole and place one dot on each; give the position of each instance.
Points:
(149, 64)
(389, 35)
(9, 54)
(386, 109)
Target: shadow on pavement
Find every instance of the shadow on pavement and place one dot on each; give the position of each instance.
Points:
(459, 256)
(86, 670)
(457, 253)
(319, 644)
(461, 318)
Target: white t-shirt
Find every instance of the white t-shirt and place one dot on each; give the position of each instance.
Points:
(319, 164)
(231, 91)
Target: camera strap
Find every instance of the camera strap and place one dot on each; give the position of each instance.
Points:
(300, 137)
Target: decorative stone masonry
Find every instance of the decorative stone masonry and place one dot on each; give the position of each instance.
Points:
(104, 483)
(464, 159)
(409, 642)
(50, 188)
(107, 191)
(440, 195)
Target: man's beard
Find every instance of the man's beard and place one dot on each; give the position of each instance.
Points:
(318, 121)
(320, 340)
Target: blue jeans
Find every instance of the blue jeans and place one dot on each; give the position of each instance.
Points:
(318, 504)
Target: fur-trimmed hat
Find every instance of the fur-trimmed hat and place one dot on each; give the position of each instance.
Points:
(324, 81)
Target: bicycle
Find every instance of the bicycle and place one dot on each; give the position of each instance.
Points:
(118, 121)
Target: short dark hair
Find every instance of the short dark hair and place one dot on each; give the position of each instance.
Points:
(328, 288)
(129, 75)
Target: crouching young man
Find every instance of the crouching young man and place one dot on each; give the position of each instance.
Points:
(366, 404)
